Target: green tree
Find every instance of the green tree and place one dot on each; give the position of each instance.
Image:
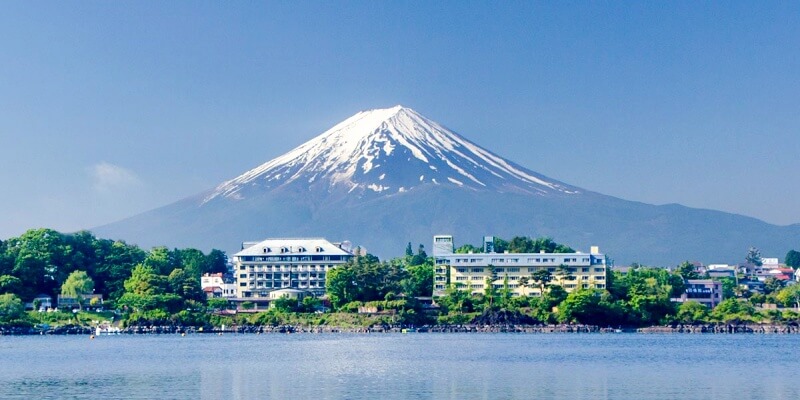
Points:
(590, 306)
(78, 285)
(409, 250)
(554, 296)
(12, 311)
(753, 256)
(10, 284)
(115, 263)
(419, 281)
(734, 310)
(285, 304)
(162, 261)
(468, 248)
(692, 312)
(789, 296)
(363, 278)
(340, 285)
(192, 261)
(520, 244)
(216, 304)
(6, 260)
(541, 277)
(145, 281)
(687, 271)
(563, 273)
(505, 294)
(420, 257)
(500, 245)
(456, 300)
(185, 285)
(40, 261)
(757, 299)
(793, 259)
(216, 262)
(310, 304)
(772, 285)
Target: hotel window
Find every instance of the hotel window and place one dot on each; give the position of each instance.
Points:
(462, 270)
(477, 270)
(515, 269)
(242, 276)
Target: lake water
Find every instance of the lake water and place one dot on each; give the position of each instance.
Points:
(401, 366)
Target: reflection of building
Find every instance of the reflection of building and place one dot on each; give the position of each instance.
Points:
(273, 264)
(217, 285)
(703, 291)
(470, 271)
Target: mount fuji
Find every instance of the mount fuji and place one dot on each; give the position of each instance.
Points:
(385, 177)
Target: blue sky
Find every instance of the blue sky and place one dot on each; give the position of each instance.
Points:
(108, 109)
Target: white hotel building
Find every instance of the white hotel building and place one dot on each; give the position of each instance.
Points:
(274, 264)
(469, 271)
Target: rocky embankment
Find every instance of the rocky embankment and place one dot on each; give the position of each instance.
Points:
(465, 328)
(60, 330)
(724, 328)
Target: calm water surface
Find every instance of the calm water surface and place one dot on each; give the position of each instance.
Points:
(396, 366)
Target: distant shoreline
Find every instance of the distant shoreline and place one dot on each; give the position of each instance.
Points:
(466, 328)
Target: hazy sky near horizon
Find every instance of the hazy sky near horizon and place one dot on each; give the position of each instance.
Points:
(109, 109)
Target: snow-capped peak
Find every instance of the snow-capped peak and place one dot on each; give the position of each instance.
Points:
(389, 150)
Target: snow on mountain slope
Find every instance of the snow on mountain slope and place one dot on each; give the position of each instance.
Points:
(386, 151)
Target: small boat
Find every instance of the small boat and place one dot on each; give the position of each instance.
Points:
(106, 330)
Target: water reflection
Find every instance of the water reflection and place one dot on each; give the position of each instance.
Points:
(413, 366)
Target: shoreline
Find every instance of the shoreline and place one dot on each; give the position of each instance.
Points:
(465, 328)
